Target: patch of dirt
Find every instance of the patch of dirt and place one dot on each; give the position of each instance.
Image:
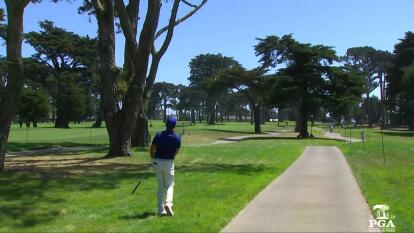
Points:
(64, 165)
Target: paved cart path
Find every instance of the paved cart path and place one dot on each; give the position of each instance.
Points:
(317, 193)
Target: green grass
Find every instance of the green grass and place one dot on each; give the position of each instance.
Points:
(45, 136)
(391, 183)
(81, 192)
(213, 183)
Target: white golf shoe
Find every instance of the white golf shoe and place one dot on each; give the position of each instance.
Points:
(169, 210)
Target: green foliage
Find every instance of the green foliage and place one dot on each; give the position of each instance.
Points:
(301, 82)
(166, 92)
(368, 62)
(251, 83)
(72, 99)
(206, 66)
(164, 95)
(401, 82)
(37, 75)
(71, 66)
(190, 98)
(344, 91)
(34, 105)
(60, 49)
(203, 69)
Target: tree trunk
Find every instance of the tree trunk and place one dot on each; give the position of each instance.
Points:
(53, 111)
(164, 119)
(303, 119)
(61, 121)
(99, 117)
(141, 137)
(98, 122)
(256, 114)
(119, 143)
(368, 107)
(193, 117)
(211, 119)
(11, 93)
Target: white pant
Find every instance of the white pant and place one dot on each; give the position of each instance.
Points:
(164, 171)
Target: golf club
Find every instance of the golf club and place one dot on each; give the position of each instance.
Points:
(139, 182)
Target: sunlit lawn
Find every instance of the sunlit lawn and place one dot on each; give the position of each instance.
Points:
(84, 193)
(391, 183)
(45, 136)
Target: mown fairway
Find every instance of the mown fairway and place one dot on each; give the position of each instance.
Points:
(83, 192)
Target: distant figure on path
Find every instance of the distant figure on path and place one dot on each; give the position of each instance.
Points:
(363, 135)
(331, 129)
(164, 148)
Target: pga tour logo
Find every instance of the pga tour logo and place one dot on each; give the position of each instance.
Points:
(382, 221)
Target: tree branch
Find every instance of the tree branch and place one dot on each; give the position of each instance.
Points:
(156, 56)
(189, 4)
(191, 13)
(98, 6)
(171, 26)
(126, 26)
(146, 39)
(25, 3)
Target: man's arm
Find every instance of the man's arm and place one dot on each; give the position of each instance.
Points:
(153, 148)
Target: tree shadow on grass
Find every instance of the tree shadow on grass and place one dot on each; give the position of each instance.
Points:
(141, 216)
(33, 196)
(240, 169)
(17, 146)
(398, 134)
(229, 131)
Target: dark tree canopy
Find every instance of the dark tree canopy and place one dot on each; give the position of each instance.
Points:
(62, 50)
(34, 106)
(400, 90)
(301, 82)
(371, 64)
(72, 66)
(344, 90)
(166, 93)
(206, 66)
(203, 69)
(251, 84)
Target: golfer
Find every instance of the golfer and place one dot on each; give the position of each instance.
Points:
(163, 150)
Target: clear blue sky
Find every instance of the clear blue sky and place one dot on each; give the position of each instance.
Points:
(231, 26)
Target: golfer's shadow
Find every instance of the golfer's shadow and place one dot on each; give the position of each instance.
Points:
(144, 215)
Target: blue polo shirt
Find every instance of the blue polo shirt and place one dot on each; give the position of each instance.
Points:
(167, 142)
